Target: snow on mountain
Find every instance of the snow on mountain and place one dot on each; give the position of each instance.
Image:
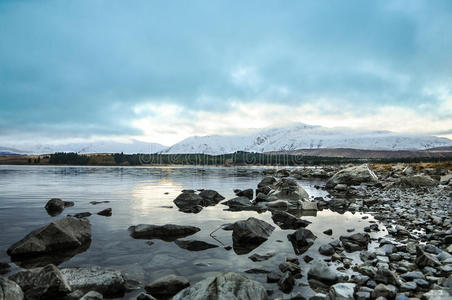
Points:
(83, 148)
(303, 136)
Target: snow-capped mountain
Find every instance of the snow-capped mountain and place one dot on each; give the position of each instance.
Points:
(303, 136)
(94, 147)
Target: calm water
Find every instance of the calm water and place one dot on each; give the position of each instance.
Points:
(138, 195)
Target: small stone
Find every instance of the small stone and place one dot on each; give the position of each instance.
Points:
(328, 232)
(106, 212)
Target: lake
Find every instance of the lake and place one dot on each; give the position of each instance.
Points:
(141, 195)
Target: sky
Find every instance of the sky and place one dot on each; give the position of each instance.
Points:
(161, 71)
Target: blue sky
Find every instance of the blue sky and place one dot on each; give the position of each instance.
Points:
(162, 71)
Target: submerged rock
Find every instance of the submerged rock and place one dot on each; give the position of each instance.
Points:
(108, 282)
(193, 245)
(352, 176)
(249, 234)
(231, 286)
(168, 232)
(9, 290)
(167, 286)
(55, 206)
(46, 283)
(301, 240)
(286, 220)
(58, 240)
(106, 212)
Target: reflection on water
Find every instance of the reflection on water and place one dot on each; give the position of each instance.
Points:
(143, 195)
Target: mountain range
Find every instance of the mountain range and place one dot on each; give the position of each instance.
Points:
(289, 138)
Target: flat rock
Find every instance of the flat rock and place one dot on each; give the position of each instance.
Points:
(168, 232)
(417, 181)
(231, 286)
(258, 257)
(108, 282)
(167, 286)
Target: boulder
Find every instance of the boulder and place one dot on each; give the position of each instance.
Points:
(417, 181)
(9, 290)
(301, 240)
(188, 199)
(167, 286)
(320, 271)
(167, 232)
(354, 242)
(193, 245)
(342, 291)
(266, 181)
(231, 286)
(352, 176)
(210, 197)
(288, 189)
(286, 220)
(45, 283)
(249, 234)
(56, 241)
(108, 282)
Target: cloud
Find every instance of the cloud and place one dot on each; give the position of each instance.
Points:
(176, 123)
(89, 69)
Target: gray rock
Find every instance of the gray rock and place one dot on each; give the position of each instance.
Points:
(62, 237)
(352, 176)
(249, 234)
(273, 277)
(342, 291)
(167, 286)
(9, 290)
(301, 240)
(167, 232)
(108, 282)
(417, 181)
(286, 220)
(382, 290)
(45, 283)
(259, 257)
(92, 295)
(424, 259)
(327, 250)
(81, 215)
(354, 242)
(290, 267)
(231, 286)
(55, 206)
(437, 295)
(386, 276)
(193, 245)
(320, 271)
(266, 181)
(289, 189)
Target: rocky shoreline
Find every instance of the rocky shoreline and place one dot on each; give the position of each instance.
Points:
(411, 258)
